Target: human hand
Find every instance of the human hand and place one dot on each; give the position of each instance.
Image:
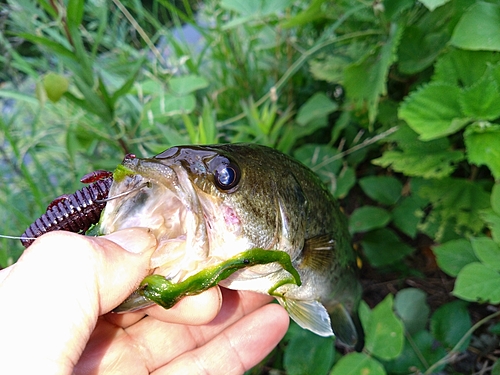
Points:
(54, 319)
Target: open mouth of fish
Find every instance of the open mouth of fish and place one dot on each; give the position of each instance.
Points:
(161, 198)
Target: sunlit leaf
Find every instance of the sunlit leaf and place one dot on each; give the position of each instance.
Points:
(184, 85)
(487, 251)
(357, 363)
(478, 283)
(474, 35)
(433, 4)
(384, 336)
(317, 106)
(434, 111)
(483, 146)
(454, 255)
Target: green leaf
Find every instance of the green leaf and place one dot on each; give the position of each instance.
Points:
(407, 214)
(357, 363)
(411, 306)
(482, 140)
(312, 13)
(434, 111)
(345, 180)
(492, 220)
(417, 354)
(187, 84)
(455, 201)
(495, 198)
(450, 322)
(383, 247)
(308, 353)
(430, 159)
(480, 100)
(462, 68)
(383, 189)
(365, 80)
(433, 4)
(478, 283)
(487, 251)
(479, 27)
(424, 39)
(384, 336)
(318, 106)
(55, 86)
(454, 255)
(74, 13)
(367, 218)
(316, 157)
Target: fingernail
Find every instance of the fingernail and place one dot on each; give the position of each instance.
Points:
(134, 240)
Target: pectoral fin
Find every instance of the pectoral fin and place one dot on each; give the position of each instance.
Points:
(343, 326)
(310, 315)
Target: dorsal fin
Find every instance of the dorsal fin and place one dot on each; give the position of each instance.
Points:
(318, 252)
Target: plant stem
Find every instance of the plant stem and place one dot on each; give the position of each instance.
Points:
(456, 349)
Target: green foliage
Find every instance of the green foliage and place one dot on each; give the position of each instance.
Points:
(394, 104)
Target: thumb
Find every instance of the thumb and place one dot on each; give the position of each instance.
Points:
(59, 287)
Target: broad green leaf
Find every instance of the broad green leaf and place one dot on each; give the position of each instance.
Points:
(487, 251)
(55, 86)
(478, 283)
(480, 100)
(417, 354)
(357, 363)
(462, 68)
(495, 198)
(187, 84)
(383, 247)
(482, 140)
(367, 218)
(492, 220)
(365, 80)
(384, 332)
(433, 4)
(430, 159)
(255, 8)
(450, 322)
(344, 181)
(407, 214)
(455, 201)
(318, 106)
(454, 255)
(424, 39)
(434, 111)
(479, 27)
(307, 353)
(383, 189)
(495, 370)
(411, 306)
(420, 163)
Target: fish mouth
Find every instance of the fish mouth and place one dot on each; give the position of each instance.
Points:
(161, 198)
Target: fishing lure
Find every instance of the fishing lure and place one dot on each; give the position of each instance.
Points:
(75, 212)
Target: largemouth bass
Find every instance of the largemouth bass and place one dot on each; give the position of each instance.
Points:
(208, 204)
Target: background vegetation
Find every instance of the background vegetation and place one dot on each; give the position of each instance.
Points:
(394, 103)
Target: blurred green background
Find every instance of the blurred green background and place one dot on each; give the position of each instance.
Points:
(395, 104)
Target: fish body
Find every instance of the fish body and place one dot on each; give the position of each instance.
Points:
(207, 204)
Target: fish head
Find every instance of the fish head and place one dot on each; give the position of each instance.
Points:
(204, 204)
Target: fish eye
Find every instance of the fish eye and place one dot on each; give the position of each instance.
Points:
(227, 175)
